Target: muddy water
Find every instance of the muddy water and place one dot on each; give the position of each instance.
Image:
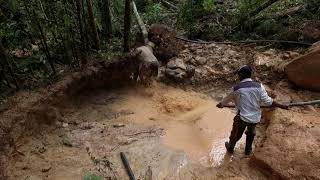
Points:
(191, 121)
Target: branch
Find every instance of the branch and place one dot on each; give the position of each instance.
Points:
(141, 24)
(243, 42)
(169, 5)
(261, 8)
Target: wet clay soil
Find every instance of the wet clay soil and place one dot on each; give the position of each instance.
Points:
(191, 121)
(177, 133)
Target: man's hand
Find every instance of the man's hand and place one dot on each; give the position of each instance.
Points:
(219, 105)
(282, 106)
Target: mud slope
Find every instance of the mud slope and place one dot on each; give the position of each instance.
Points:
(291, 147)
(144, 123)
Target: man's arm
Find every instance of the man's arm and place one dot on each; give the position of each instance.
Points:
(267, 100)
(226, 100)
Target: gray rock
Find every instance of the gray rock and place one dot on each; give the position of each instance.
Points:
(201, 60)
(176, 63)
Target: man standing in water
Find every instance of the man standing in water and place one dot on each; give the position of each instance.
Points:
(248, 95)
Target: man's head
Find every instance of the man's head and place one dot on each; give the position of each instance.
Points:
(244, 72)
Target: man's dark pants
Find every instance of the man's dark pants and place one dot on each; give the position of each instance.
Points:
(237, 130)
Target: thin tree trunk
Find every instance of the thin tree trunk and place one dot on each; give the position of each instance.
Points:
(70, 42)
(85, 30)
(3, 55)
(127, 22)
(59, 33)
(93, 25)
(83, 54)
(2, 74)
(32, 21)
(43, 37)
(106, 18)
(43, 11)
(78, 5)
(141, 24)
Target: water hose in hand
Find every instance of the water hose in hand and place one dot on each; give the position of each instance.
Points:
(306, 103)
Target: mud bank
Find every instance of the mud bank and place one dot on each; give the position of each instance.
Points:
(168, 129)
(79, 126)
(75, 128)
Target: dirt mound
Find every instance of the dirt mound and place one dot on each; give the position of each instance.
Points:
(215, 64)
(290, 149)
(304, 70)
(166, 44)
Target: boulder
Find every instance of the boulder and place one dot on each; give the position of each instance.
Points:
(304, 71)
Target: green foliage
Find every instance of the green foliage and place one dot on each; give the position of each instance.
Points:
(267, 27)
(92, 177)
(117, 12)
(208, 5)
(191, 11)
(153, 13)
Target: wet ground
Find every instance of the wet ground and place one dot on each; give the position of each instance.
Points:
(190, 120)
(169, 129)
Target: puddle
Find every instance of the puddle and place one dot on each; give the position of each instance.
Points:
(191, 121)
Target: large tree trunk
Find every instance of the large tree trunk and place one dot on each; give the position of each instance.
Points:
(106, 19)
(3, 56)
(93, 25)
(141, 24)
(127, 23)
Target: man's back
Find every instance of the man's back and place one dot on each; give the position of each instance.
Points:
(248, 96)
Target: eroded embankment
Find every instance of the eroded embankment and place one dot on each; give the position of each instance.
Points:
(74, 128)
(175, 132)
(30, 112)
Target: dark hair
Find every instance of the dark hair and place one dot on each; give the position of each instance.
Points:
(245, 75)
(245, 72)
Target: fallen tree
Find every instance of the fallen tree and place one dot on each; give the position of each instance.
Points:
(148, 63)
(141, 24)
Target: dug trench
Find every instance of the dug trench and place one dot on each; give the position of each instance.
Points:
(78, 127)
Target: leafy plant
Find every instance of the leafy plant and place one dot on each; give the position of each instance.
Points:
(153, 13)
(208, 5)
